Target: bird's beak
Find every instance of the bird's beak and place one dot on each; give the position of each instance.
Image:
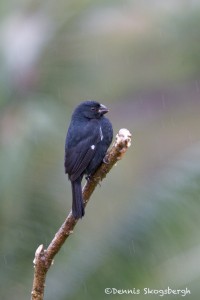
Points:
(103, 109)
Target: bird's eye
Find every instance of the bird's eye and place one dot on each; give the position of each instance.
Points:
(93, 108)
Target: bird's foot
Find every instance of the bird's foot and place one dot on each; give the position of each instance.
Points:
(105, 160)
(88, 178)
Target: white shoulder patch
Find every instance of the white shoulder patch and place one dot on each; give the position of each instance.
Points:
(101, 133)
(92, 147)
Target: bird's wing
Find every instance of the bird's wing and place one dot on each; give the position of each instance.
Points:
(79, 156)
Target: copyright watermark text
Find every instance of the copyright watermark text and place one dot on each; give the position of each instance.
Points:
(148, 291)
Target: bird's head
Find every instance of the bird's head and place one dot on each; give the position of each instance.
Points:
(92, 109)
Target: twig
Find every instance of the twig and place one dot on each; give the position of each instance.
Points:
(44, 257)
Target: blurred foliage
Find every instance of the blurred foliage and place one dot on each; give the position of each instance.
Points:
(141, 59)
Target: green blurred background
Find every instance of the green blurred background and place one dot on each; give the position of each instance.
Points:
(141, 229)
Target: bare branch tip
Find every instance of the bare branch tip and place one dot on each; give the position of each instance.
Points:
(39, 250)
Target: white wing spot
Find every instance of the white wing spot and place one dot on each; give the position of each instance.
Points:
(93, 147)
(101, 133)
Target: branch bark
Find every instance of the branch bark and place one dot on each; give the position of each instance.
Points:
(44, 257)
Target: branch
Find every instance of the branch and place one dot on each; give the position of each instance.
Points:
(44, 257)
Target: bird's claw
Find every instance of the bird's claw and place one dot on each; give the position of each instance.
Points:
(88, 177)
(105, 160)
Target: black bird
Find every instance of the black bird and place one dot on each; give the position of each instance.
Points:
(88, 138)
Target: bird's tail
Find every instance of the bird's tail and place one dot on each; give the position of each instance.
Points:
(77, 199)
